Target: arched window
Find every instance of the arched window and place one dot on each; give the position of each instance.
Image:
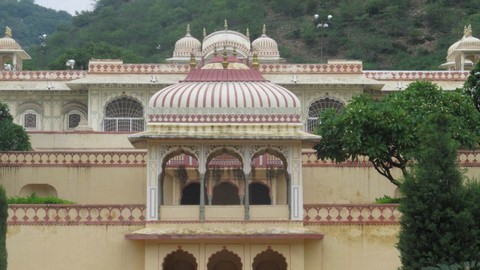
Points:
(191, 194)
(269, 260)
(73, 120)
(30, 120)
(319, 106)
(124, 114)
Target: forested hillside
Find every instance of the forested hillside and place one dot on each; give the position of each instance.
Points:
(384, 34)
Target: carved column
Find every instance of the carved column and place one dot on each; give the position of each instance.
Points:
(247, 168)
(294, 170)
(153, 173)
(202, 169)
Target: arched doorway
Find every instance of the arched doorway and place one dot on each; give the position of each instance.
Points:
(224, 260)
(179, 260)
(225, 193)
(191, 194)
(259, 194)
(269, 260)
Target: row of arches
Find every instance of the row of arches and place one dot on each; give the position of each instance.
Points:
(226, 182)
(225, 260)
(127, 114)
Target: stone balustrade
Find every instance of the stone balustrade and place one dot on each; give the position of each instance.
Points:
(466, 158)
(49, 75)
(417, 75)
(36, 214)
(314, 214)
(369, 214)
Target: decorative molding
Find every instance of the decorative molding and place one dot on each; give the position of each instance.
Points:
(72, 159)
(224, 118)
(54, 75)
(137, 68)
(340, 68)
(351, 214)
(39, 214)
(134, 215)
(466, 158)
(417, 75)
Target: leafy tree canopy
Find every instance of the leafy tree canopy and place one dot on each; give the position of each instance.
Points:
(472, 86)
(389, 132)
(13, 137)
(436, 224)
(98, 50)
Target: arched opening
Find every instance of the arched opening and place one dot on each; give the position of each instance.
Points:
(259, 194)
(225, 193)
(269, 260)
(191, 194)
(41, 190)
(224, 260)
(319, 106)
(123, 114)
(179, 260)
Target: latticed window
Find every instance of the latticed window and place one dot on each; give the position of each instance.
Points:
(73, 120)
(124, 114)
(319, 106)
(30, 120)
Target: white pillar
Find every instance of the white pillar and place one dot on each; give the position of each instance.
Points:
(247, 168)
(294, 169)
(153, 173)
(202, 169)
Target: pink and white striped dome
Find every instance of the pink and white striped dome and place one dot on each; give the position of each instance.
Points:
(224, 95)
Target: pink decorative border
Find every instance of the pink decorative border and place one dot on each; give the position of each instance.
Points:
(224, 118)
(314, 214)
(34, 214)
(137, 68)
(72, 159)
(466, 158)
(54, 75)
(417, 75)
(343, 68)
(347, 214)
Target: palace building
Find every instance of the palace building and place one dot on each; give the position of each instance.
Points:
(205, 162)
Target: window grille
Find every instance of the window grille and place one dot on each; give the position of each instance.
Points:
(30, 120)
(73, 120)
(124, 114)
(319, 106)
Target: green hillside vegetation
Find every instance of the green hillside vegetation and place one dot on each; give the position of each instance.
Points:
(402, 34)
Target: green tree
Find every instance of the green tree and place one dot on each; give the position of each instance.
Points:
(472, 86)
(3, 229)
(13, 137)
(436, 225)
(389, 131)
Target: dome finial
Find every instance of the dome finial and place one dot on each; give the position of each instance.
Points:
(467, 31)
(225, 58)
(204, 32)
(264, 30)
(255, 64)
(248, 33)
(193, 61)
(8, 32)
(225, 24)
(188, 29)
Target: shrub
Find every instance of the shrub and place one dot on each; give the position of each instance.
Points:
(34, 199)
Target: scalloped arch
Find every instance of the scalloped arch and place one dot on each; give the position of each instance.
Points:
(224, 255)
(270, 257)
(179, 256)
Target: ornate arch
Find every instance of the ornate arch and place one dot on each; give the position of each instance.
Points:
(179, 256)
(225, 149)
(29, 105)
(270, 257)
(224, 255)
(319, 105)
(281, 153)
(74, 105)
(175, 151)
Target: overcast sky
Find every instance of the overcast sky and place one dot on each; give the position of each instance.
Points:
(68, 5)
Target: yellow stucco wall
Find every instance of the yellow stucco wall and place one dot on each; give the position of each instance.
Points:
(73, 248)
